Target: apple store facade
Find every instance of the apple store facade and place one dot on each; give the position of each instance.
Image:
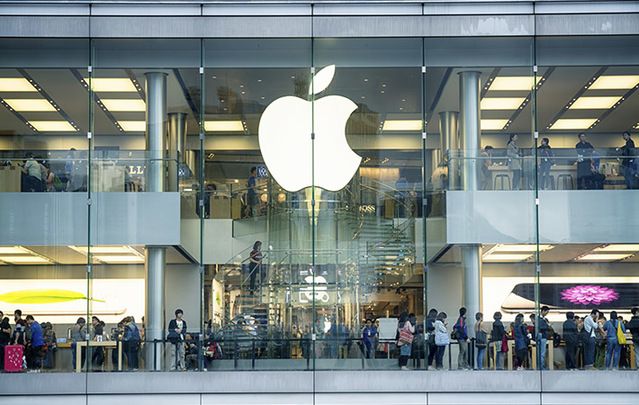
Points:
(301, 178)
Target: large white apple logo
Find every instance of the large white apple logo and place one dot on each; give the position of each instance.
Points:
(292, 157)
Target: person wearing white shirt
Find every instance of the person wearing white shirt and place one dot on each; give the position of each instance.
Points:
(591, 326)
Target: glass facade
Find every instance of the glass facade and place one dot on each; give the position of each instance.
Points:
(306, 203)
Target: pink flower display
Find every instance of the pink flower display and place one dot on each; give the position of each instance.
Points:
(589, 295)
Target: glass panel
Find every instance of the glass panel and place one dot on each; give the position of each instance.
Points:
(368, 188)
(43, 113)
(480, 227)
(145, 105)
(257, 219)
(588, 280)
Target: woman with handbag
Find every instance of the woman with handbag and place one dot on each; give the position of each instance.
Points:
(442, 339)
(615, 337)
(481, 340)
(405, 332)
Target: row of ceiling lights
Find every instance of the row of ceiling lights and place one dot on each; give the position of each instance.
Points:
(520, 253)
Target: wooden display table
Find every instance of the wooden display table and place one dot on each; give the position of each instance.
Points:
(107, 344)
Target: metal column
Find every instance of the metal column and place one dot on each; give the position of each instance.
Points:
(155, 255)
(449, 142)
(470, 136)
(177, 142)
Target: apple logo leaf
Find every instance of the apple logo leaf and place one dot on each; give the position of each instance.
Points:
(321, 80)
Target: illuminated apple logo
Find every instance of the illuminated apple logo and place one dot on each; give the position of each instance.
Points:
(294, 159)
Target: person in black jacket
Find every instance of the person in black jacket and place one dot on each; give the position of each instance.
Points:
(496, 336)
(545, 163)
(543, 328)
(628, 161)
(584, 163)
(633, 326)
(176, 336)
(430, 330)
(571, 339)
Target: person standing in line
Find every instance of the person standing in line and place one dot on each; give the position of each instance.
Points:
(369, 336)
(131, 339)
(613, 327)
(430, 333)
(405, 332)
(590, 326)
(481, 340)
(97, 358)
(32, 174)
(251, 193)
(633, 327)
(514, 160)
(78, 334)
(520, 334)
(486, 161)
(255, 264)
(571, 339)
(5, 337)
(460, 330)
(36, 344)
(584, 162)
(545, 163)
(442, 339)
(496, 336)
(176, 336)
(543, 328)
(628, 160)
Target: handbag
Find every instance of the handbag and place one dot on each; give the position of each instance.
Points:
(621, 337)
(405, 336)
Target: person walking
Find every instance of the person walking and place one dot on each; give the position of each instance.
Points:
(633, 327)
(481, 340)
(584, 162)
(405, 331)
(615, 330)
(628, 160)
(514, 160)
(544, 152)
(571, 340)
(430, 336)
(460, 330)
(442, 339)
(255, 264)
(520, 334)
(176, 335)
(496, 336)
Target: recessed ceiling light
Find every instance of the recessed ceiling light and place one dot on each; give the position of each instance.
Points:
(133, 126)
(617, 248)
(52, 126)
(29, 105)
(504, 257)
(501, 103)
(402, 125)
(573, 123)
(587, 103)
(24, 259)
(119, 259)
(14, 250)
(616, 82)
(520, 248)
(117, 105)
(111, 84)
(16, 84)
(512, 83)
(604, 257)
(223, 126)
(104, 249)
(493, 124)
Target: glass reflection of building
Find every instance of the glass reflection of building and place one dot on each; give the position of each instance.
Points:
(145, 200)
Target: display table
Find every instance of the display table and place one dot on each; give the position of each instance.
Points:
(107, 345)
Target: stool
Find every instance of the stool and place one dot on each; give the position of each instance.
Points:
(565, 181)
(504, 179)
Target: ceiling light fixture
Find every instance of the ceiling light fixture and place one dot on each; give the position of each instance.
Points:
(513, 83)
(133, 126)
(24, 259)
(519, 248)
(29, 105)
(52, 126)
(617, 248)
(501, 103)
(111, 85)
(493, 124)
(615, 82)
(573, 123)
(14, 250)
(223, 126)
(16, 84)
(124, 105)
(604, 257)
(505, 257)
(105, 249)
(119, 259)
(402, 125)
(599, 102)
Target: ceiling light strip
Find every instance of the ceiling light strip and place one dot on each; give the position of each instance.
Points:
(18, 115)
(438, 94)
(529, 97)
(489, 81)
(574, 98)
(187, 94)
(46, 95)
(136, 83)
(625, 97)
(97, 100)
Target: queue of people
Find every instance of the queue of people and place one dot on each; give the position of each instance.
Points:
(40, 175)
